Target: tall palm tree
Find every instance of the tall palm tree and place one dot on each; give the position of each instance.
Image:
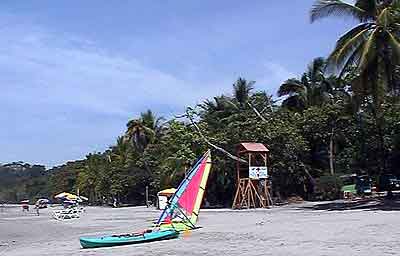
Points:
(121, 152)
(313, 89)
(372, 46)
(144, 130)
(92, 176)
(241, 90)
(121, 157)
(219, 108)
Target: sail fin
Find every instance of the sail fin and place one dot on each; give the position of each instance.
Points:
(184, 205)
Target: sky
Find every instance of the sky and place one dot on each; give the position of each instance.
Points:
(72, 73)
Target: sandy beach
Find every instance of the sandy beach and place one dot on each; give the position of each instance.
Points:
(288, 230)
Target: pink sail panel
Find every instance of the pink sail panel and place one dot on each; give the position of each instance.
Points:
(188, 198)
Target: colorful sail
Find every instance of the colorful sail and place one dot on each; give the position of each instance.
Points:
(184, 206)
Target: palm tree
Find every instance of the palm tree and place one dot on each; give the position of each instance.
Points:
(218, 109)
(121, 152)
(144, 130)
(372, 46)
(150, 120)
(92, 177)
(313, 89)
(241, 91)
(121, 157)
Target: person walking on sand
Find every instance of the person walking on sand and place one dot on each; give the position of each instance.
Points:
(37, 207)
(25, 207)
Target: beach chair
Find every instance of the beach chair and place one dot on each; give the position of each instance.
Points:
(66, 214)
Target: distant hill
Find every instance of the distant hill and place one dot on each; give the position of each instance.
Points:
(19, 180)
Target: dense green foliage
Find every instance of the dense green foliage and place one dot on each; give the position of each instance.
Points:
(323, 125)
(19, 181)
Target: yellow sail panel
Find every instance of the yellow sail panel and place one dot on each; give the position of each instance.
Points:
(202, 188)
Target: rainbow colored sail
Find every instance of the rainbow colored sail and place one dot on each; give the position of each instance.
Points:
(183, 208)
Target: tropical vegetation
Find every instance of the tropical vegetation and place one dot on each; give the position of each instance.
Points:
(340, 116)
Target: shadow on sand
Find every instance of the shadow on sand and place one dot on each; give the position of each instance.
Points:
(372, 204)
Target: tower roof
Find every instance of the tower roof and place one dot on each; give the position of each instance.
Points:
(253, 147)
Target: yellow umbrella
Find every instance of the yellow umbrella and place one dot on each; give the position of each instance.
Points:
(167, 192)
(61, 195)
(71, 197)
(66, 195)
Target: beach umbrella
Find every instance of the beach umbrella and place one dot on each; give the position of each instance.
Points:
(167, 192)
(71, 197)
(61, 195)
(66, 195)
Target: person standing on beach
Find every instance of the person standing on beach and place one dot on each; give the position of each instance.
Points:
(25, 207)
(37, 207)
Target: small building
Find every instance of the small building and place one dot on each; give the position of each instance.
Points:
(163, 196)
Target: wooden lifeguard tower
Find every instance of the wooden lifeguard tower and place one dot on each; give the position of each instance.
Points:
(253, 184)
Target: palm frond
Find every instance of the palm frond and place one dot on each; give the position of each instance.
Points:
(148, 118)
(294, 103)
(208, 105)
(347, 44)
(290, 86)
(369, 51)
(304, 80)
(353, 60)
(343, 40)
(316, 70)
(251, 84)
(242, 89)
(395, 4)
(369, 6)
(365, 80)
(325, 8)
(384, 18)
(328, 84)
(394, 44)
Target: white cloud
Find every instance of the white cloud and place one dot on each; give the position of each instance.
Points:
(63, 96)
(57, 71)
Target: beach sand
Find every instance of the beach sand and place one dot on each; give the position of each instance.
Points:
(288, 230)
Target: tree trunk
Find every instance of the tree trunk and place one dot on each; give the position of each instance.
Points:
(257, 112)
(331, 153)
(381, 144)
(236, 158)
(378, 99)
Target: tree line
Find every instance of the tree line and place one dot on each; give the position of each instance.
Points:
(340, 116)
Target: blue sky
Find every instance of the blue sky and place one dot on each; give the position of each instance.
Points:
(72, 73)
